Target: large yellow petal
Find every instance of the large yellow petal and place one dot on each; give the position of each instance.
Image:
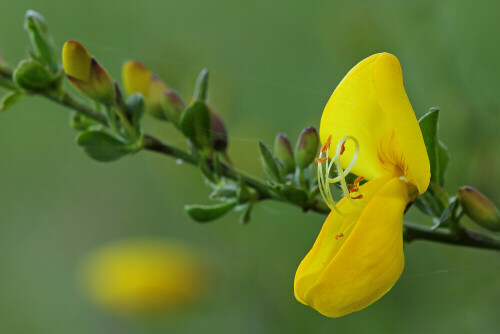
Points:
(342, 276)
(370, 103)
(326, 245)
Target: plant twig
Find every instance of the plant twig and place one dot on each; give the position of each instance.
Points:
(412, 232)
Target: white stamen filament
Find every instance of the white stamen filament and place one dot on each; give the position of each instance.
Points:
(324, 179)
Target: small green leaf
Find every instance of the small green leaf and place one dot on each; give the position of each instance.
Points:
(205, 213)
(246, 215)
(81, 122)
(207, 172)
(448, 213)
(201, 87)
(195, 124)
(293, 194)
(32, 75)
(437, 151)
(101, 146)
(270, 164)
(10, 99)
(135, 110)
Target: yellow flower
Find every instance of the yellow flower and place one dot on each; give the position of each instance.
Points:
(85, 73)
(358, 255)
(141, 276)
(138, 79)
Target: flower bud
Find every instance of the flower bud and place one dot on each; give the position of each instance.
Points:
(219, 132)
(42, 43)
(138, 79)
(85, 73)
(479, 208)
(32, 75)
(283, 151)
(173, 106)
(143, 276)
(307, 147)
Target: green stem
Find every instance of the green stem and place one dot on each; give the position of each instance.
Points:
(467, 238)
(412, 232)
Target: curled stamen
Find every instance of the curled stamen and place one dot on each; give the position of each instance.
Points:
(326, 145)
(324, 179)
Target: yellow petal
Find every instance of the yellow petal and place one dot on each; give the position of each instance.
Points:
(371, 104)
(136, 78)
(76, 60)
(341, 276)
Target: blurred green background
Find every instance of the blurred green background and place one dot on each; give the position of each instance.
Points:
(273, 66)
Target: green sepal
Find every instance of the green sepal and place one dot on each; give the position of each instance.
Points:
(201, 87)
(204, 213)
(195, 124)
(32, 75)
(270, 164)
(436, 150)
(43, 46)
(135, 110)
(102, 146)
(10, 99)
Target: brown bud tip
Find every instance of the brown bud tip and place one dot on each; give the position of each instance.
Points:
(306, 148)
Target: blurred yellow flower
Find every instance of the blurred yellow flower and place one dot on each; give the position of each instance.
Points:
(86, 74)
(141, 276)
(358, 255)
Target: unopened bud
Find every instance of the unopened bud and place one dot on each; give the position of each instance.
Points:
(86, 74)
(139, 79)
(219, 132)
(173, 106)
(307, 147)
(283, 151)
(42, 43)
(479, 208)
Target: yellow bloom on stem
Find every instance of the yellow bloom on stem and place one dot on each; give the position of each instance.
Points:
(86, 74)
(138, 79)
(143, 276)
(358, 255)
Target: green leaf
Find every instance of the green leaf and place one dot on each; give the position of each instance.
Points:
(448, 213)
(135, 110)
(101, 146)
(293, 194)
(195, 124)
(437, 151)
(246, 215)
(32, 75)
(10, 99)
(270, 164)
(81, 122)
(201, 87)
(205, 213)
